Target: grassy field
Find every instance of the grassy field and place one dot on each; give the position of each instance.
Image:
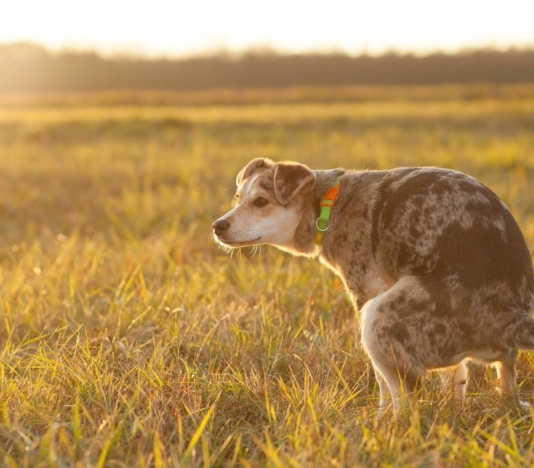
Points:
(127, 338)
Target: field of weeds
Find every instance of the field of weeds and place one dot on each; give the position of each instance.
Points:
(127, 338)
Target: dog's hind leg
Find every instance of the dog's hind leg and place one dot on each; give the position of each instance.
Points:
(457, 377)
(385, 394)
(507, 380)
(395, 368)
(397, 383)
(506, 374)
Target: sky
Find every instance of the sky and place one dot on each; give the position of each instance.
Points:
(177, 28)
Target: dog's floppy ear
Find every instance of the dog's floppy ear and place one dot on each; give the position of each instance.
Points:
(291, 178)
(251, 167)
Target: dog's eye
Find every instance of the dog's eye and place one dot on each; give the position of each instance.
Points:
(259, 202)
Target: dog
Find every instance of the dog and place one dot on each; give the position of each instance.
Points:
(432, 258)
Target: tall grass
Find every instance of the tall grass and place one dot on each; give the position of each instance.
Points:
(129, 339)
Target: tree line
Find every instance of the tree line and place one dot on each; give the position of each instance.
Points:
(31, 68)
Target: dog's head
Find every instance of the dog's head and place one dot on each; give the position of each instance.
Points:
(269, 201)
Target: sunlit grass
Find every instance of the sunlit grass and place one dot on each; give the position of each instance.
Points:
(465, 92)
(128, 338)
(279, 113)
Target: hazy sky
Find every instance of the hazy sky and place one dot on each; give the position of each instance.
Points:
(185, 27)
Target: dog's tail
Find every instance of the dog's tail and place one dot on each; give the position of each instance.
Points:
(521, 333)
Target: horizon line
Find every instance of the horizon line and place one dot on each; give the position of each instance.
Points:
(134, 52)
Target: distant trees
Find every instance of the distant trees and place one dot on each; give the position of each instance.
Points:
(30, 68)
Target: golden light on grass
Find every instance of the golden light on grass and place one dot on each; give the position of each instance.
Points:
(128, 338)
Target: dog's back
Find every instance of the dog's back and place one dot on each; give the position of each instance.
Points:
(435, 222)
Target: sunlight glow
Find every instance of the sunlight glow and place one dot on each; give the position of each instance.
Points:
(182, 27)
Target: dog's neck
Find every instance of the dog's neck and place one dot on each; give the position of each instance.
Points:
(305, 234)
(324, 180)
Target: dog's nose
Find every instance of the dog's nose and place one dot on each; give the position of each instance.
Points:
(220, 226)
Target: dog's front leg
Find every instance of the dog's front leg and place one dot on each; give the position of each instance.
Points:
(457, 377)
(357, 290)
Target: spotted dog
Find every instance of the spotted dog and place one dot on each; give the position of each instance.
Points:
(433, 259)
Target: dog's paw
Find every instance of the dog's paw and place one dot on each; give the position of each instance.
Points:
(524, 406)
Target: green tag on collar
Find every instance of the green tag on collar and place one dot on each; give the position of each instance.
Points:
(327, 203)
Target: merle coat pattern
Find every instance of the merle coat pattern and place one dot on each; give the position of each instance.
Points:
(433, 259)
